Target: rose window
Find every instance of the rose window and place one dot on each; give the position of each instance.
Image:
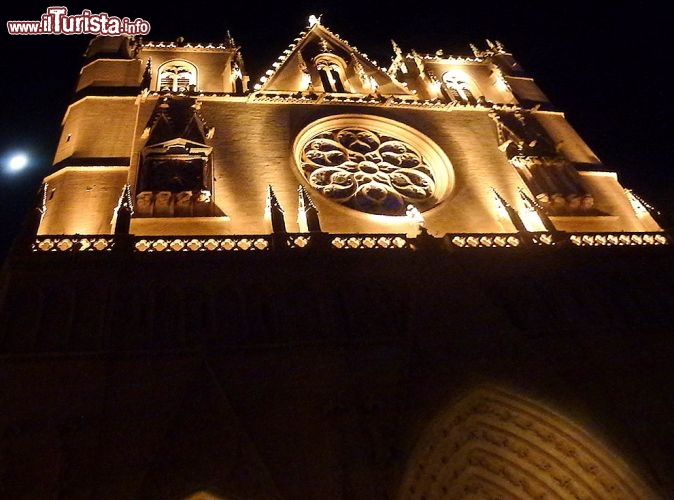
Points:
(367, 171)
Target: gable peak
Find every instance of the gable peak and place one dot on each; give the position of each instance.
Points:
(318, 45)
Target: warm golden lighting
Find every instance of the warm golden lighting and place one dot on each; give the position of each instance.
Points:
(354, 186)
(501, 211)
(500, 82)
(373, 85)
(306, 81)
(529, 215)
(414, 215)
(497, 444)
(204, 495)
(443, 225)
(302, 222)
(637, 205)
(372, 164)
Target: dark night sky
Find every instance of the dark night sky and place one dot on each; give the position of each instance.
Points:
(606, 68)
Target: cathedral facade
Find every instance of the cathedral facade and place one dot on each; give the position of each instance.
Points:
(334, 280)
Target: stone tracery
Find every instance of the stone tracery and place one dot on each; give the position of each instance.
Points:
(367, 170)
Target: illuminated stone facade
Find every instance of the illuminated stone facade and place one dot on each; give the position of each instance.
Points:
(440, 133)
(336, 281)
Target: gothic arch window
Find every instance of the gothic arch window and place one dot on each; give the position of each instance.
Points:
(498, 444)
(456, 86)
(177, 76)
(372, 164)
(331, 71)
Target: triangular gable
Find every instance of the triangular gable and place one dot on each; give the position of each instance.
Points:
(296, 66)
(175, 118)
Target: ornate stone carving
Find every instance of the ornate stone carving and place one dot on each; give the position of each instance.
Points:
(525, 450)
(367, 171)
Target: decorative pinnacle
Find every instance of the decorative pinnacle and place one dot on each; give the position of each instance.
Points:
(229, 41)
(272, 201)
(396, 48)
(325, 46)
(305, 200)
(499, 198)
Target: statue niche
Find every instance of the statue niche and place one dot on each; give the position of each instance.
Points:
(175, 176)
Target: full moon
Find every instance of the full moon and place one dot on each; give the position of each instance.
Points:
(18, 162)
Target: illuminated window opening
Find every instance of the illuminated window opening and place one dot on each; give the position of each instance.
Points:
(331, 73)
(456, 87)
(177, 76)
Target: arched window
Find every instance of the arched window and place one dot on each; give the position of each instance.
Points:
(456, 86)
(331, 72)
(177, 76)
